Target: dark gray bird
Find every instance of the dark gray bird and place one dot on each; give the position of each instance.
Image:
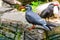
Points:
(48, 12)
(35, 19)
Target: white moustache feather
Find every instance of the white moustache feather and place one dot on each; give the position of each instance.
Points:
(55, 10)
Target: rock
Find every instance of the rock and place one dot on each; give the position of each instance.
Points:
(9, 35)
(14, 16)
(3, 9)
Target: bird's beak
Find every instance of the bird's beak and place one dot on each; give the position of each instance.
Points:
(26, 7)
(56, 4)
(22, 7)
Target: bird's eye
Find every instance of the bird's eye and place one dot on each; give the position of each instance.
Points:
(26, 7)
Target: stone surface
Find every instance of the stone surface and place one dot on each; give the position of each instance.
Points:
(19, 17)
(14, 16)
(2, 9)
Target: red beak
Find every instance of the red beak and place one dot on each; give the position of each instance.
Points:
(56, 4)
(22, 7)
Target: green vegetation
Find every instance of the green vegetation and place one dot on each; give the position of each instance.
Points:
(35, 4)
(3, 37)
(18, 36)
(55, 36)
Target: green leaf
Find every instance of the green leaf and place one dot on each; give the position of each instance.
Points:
(54, 37)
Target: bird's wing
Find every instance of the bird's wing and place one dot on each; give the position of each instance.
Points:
(33, 17)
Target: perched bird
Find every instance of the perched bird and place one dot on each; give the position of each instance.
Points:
(35, 19)
(42, 7)
(48, 12)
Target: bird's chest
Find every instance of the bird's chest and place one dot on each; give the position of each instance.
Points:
(27, 16)
(48, 11)
(30, 18)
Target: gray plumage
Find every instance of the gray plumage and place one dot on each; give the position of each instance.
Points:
(34, 18)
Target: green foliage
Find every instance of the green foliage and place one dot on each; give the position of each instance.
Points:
(16, 6)
(18, 36)
(35, 4)
(55, 36)
(3, 37)
(42, 0)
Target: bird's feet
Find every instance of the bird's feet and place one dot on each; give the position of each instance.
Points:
(31, 28)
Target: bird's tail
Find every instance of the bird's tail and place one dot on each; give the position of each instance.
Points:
(46, 27)
(51, 25)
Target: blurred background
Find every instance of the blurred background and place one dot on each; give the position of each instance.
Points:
(13, 30)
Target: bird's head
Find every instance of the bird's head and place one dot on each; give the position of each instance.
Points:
(54, 4)
(28, 7)
(54, 7)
